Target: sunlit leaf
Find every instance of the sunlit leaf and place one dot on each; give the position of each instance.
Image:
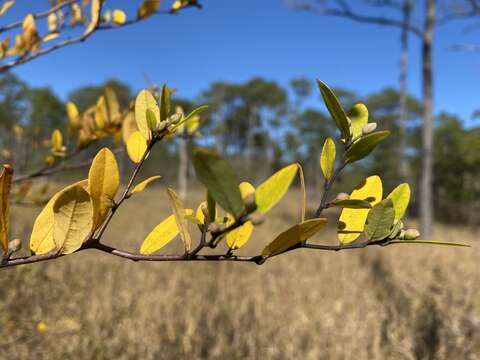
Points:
(142, 185)
(195, 112)
(400, 197)
(220, 179)
(239, 236)
(72, 219)
(380, 220)
(57, 140)
(94, 16)
(52, 22)
(358, 116)
(297, 233)
(365, 146)
(145, 101)
(5, 6)
(103, 183)
(179, 211)
(113, 107)
(136, 147)
(352, 221)
(335, 109)
(272, 190)
(327, 158)
(5, 185)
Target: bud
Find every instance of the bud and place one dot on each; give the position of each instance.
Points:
(175, 118)
(250, 204)
(14, 245)
(368, 128)
(411, 234)
(162, 125)
(342, 196)
(213, 227)
(204, 210)
(256, 218)
(401, 236)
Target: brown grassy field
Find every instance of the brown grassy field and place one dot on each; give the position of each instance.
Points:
(400, 302)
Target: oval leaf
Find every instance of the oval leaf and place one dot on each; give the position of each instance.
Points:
(365, 146)
(335, 109)
(358, 116)
(270, 192)
(145, 101)
(380, 220)
(327, 158)
(160, 236)
(141, 186)
(400, 197)
(136, 147)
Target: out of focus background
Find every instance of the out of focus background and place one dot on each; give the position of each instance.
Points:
(415, 64)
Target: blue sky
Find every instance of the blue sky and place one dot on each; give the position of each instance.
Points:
(236, 40)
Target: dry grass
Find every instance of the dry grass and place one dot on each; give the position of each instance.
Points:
(401, 302)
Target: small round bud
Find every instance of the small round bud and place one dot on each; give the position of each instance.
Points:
(342, 196)
(401, 236)
(411, 234)
(368, 128)
(175, 118)
(256, 218)
(250, 204)
(14, 245)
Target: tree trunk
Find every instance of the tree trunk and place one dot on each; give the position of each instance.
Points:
(426, 206)
(182, 176)
(407, 11)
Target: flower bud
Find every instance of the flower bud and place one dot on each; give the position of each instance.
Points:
(368, 128)
(175, 118)
(342, 196)
(256, 218)
(14, 245)
(411, 234)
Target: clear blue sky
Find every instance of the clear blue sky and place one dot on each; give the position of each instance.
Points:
(236, 40)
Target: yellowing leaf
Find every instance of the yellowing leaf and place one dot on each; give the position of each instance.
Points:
(103, 183)
(401, 198)
(5, 185)
(148, 8)
(358, 116)
(119, 17)
(136, 147)
(178, 212)
(352, 221)
(246, 189)
(145, 101)
(6, 6)
(72, 219)
(270, 192)
(141, 186)
(95, 10)
(327, 159)
(239, 236)
(41, 239)
(297, 233)
(50, 36)
(365, 145)
(113, 107)
(57, 141)
(160, 236)
(303, 194)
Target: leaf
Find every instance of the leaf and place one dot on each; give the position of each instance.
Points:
(211, 208)
(246, 189)
(380, 220)
(239, 236)
(271, 191)
(41, 239)
(327, 158)
(303, 193)
(141, 186)
(219, 178)
(358, 116)
(365, 146)
(112, 104)
(6, 6)
(103, 183)
(294, 235)
(164, 103)
(72, 219)
(147, 8)
(136, 147)
(335, 109)
(352, 204)
(57, 140)
(73, 116)
(5, 186)
(400, 197)
(178, 212)
(119, 17)
(431, 242)
(195, 112)
(352, 221)
(145, 101)
(52, 22)
(95, 10)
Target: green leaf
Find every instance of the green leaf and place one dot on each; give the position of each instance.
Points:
(219, 178)
(335, 109)
(179, 213)
(144, 101)
(151, 120)
(352, 204)
(293, 236)
(431, 242)
(358, 116)
(211, 208)
(327, 158)
(165, 102)
(271, 191)
(380, 220)
(400, 197)
(365, 146)
(195, 112)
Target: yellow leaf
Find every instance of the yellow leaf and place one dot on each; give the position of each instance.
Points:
(119, 17)
(400, 197)
(161, 235)
(57, 141)
(76, 14)
(141, 186)
(112, 104)
(270, 192)
(73, 117)
(5, 185)
(294, 235)
(145, 101)
(94, 16)
(200, 216)
(179, 213)
(129, 126)
(41, 239)
(72, 219)
(6, 6)
(327, 159)
(358, 116)
(148, 8)
(303, 194)
(52, 22)
(103, 183)
(246, 189)
(136, 147)
(50, 36)
(101, 116)
(352, 221)
(239, 236)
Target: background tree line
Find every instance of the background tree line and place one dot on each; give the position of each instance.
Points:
(261, 125)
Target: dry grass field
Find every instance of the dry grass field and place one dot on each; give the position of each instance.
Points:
(400, 302)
